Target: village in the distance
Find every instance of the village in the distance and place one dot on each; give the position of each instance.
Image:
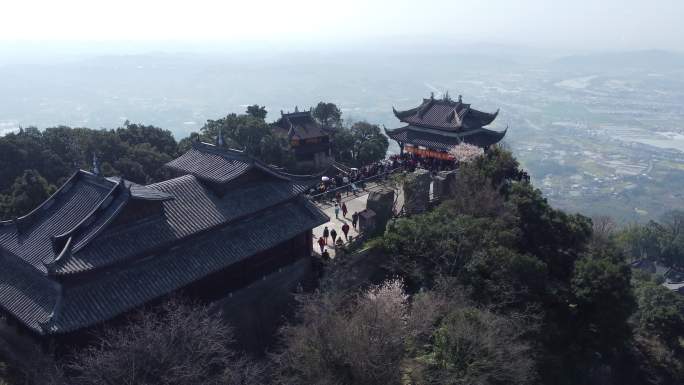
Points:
(356, 193)
(599, 134)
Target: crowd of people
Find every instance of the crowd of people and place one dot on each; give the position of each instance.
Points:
(355, 179)
(332, 234)
(350, 182)
(410, 162)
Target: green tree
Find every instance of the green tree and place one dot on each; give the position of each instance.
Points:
(135, 152)
(552, 235)
(28, 191)
(472, 346)
(370, 144)
(161, 140)
(672, 238)
(660, 311)
(640, 241)
(151, 161)
(257, 111)
(246, 132)
(328, 114)
(603, 294)
(424, 247)
(343, 145)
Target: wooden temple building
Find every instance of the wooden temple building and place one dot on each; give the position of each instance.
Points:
(102, 246)
(437, 125)
(307, 139)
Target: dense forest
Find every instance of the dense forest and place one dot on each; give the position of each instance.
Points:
(33, 163)
(493, 286)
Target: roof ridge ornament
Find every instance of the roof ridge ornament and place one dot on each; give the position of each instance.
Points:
(425, 107)
(219, 138)
(96, 164)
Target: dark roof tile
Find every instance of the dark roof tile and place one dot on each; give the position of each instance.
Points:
(299, 125)
(444, 141)
(113, 294)
(193, 233)
(211, 164)
(446, 114)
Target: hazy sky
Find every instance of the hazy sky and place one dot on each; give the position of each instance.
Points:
(577, 24)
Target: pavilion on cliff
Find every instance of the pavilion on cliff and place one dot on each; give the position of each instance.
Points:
(437, 125)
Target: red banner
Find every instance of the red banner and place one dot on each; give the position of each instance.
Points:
(427, 153)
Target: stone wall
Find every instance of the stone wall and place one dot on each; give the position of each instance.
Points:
(382, 203)
(256, 311)
(444, 184)
(417, 191)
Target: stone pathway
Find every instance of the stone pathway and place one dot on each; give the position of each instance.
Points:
(354, 204)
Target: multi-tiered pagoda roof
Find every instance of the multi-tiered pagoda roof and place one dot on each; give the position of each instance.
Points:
(99, 247)
(441, 124)
(299, 125)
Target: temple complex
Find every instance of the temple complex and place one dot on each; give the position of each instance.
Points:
(307, 139)
(100, 247)
(437, 125)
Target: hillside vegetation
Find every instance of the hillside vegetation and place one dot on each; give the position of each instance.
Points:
(33, 163)
(492, 287)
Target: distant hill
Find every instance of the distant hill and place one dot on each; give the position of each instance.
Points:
(650, 60)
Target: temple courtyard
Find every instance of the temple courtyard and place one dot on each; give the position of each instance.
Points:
(355, 203)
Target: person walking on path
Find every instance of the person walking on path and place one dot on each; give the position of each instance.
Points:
(338, 197)
(321, 244)
(345, 231)
(337, 211)
(333, 234)
(326, 233)
(344, 210)
(355, 218)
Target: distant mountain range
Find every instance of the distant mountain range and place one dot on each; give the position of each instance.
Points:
(650, 60)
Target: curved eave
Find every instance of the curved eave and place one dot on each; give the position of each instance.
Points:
(485, 138)
(489, 118)
(401, 115)
(64, 243)
(228, 154)
(50, 199)
(393, 133)
(439, 139)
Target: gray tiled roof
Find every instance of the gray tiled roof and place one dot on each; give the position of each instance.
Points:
(47, 307)
(29, 237)
(446, 114)
(195, 208)
(106, 297)
(444, 141)
(211, 164)
(185, 231)
(26, 293)
(77, 211)
(221, 165)
(299, 125)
